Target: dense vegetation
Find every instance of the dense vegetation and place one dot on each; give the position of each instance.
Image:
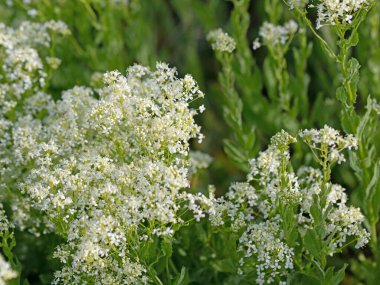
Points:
(189, 142)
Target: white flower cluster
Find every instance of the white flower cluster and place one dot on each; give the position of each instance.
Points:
(198, 160)
(327, 144)
(23, 74)
(272, 255)
(6, 272)
(272, 35)
(339, 12)
(103, 168)
(221, 41)
(22, 69)
(5, 225)
(254, 207)
(344, 223)
(116, 163)
(268, 170)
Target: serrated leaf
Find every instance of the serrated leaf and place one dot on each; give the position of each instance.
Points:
(341, 95)
(353, 76)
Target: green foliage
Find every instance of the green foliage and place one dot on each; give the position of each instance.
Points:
(94, 180)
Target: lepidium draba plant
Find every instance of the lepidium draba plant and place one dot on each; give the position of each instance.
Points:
(290, 222)
(358, 113)
(101, 176)
(27, 61)
(108, 172)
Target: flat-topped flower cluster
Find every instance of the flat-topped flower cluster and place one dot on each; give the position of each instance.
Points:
(339, 12)
(273, 35)
(221, 41)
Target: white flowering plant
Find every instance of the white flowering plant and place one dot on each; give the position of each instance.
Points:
(288, 223)
(115, 168)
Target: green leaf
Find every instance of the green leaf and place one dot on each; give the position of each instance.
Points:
(364, 120)
(301, 278)
(350, 120)
(224, 265)
(355, 163)
(353, 76)
(236, 154)
(334, 278)
(167, 247)
(312, 243)
(341, 95)
(270, 78)
(354, 39)
(315, 210)
(373, 192)
(180, 280)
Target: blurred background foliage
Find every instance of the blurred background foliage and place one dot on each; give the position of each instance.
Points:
(240, 116)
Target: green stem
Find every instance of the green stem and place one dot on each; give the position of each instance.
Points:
(324, 44)
(168, 271)
(373, 242)
(346, 81)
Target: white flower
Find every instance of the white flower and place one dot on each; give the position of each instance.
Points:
(255, 207)
(333, 12)
(264, 242)
(114, 163)
(221, 41)
(6, 272)
(198, 160)
(328, 143)
(272, 35)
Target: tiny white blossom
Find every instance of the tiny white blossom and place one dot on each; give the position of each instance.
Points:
(332, 12)
(6, 272)
(272, 35)
(221, 41)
